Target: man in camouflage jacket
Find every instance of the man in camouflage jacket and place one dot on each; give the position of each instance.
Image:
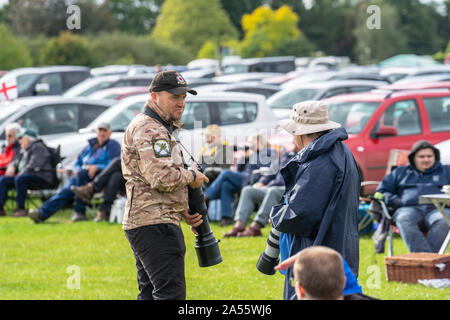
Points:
(157, 193)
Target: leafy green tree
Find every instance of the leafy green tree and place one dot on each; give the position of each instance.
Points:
(4, 13)
(237, 8)
(120, 47)
(49, 17)
(67, 49)
(272, 32)
(14, 54)
(136, 17)
(419, 26)
(372, 44)
(329, 25)
(207, 51)
(189, 24)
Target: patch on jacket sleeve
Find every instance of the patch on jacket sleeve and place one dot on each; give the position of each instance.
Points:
(161, 148)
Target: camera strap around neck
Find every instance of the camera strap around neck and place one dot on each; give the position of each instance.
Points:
(152, 114)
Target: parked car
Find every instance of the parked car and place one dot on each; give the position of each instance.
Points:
(203, 64)
(118, 93)
(399, 73)
(154, 69)
(423, 79)
(348, 73)
(92, 85)
(113, 70)
(241, 77)
(52, 116)
(268, 64)
(55, 80)
(379, 121)
(199, 73)
(416, 86)
(238, 114)
(281, 103)
(444, 148)
(249, 87)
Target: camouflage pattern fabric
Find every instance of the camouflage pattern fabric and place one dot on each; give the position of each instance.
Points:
(152, 165)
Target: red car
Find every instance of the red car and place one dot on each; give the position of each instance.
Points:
(379, 121)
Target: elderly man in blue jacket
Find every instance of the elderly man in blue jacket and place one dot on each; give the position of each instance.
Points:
(401, 189)
(95, 157)
(322, 190)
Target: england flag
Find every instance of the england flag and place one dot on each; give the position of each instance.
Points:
(8, 90)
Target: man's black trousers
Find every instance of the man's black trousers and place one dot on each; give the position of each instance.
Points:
(112, 181)
(159, 251)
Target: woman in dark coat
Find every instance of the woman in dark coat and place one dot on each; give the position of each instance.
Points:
(322, 189)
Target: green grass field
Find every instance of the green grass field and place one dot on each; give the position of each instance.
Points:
(43, 261)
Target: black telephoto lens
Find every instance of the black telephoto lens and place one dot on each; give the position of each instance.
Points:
(206, 245)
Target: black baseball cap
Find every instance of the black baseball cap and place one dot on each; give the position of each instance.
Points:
(170, 81)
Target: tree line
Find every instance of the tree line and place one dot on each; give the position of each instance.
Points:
(177, 31)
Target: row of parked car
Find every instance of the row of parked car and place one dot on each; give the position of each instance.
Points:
(378, 115)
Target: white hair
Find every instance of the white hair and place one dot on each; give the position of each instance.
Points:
(13, 126)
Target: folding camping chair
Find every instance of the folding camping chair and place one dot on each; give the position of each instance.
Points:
(378, 210)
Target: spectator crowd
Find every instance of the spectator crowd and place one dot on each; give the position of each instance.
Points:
(273, 185)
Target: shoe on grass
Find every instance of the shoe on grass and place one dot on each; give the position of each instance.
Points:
(35, 215)
(77, 216)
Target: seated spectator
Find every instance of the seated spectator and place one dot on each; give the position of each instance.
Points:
(401, 190)
(265, 193)
(216, 154)
(95, 157)
(230, 182)
(11, 150)
(111, 180)
(33, 169)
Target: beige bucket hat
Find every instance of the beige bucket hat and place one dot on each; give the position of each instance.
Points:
(308, 117)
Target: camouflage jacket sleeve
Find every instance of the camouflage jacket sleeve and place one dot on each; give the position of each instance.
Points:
(160, 160)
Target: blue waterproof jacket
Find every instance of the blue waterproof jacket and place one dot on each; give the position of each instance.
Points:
(322, 197)
(403, 186)
(100, 156)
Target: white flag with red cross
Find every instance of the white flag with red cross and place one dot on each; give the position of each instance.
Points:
(8, 90)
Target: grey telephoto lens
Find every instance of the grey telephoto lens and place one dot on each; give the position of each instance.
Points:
(269, 258)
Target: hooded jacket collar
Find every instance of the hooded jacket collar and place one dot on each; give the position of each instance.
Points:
(321, 144)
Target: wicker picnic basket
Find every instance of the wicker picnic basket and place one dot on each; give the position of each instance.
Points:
(416, 266)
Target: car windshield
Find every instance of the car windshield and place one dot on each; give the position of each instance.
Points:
(89, 86)
(119, 116)
(287, 98)
(353, 116)
(235, 68)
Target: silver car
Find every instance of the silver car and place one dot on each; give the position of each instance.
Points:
(52, 116)
(238, 114)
